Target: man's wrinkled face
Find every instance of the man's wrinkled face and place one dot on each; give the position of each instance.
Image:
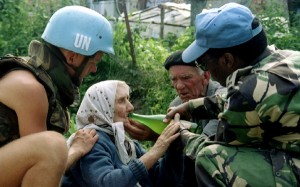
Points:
(188, 81)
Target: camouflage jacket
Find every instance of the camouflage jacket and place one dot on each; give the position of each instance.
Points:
(261, 108)
(45, 63)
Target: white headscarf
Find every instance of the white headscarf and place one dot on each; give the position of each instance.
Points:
(97, 112)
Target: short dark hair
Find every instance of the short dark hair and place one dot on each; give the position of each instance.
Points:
(247, 51)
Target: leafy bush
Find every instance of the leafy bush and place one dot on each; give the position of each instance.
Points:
(280, 30)
(22, 21)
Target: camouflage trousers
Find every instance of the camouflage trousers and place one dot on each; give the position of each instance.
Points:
(219, 165)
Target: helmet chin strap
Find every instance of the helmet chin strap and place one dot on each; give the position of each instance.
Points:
(76, 78)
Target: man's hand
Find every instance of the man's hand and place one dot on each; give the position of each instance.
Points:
(83, 142)
(139, 131)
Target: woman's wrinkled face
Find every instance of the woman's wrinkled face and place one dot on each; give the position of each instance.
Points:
(122, 104)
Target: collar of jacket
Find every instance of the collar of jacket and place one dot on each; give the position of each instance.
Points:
(52, 61)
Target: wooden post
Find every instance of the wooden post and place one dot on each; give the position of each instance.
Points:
(196, 7)
(129, 34)
(162, 20)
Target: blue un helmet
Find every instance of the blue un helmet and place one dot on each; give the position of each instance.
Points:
(79, 29)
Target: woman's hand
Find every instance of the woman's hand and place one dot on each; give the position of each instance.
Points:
(169, 134)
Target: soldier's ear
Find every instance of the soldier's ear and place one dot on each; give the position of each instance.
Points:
(228, 60)
(206, 75)
(70, 57)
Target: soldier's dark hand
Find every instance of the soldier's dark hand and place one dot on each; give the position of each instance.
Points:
(139, 132)
(182, 109)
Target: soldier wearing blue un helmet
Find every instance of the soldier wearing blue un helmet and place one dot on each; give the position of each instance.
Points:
(82, 31)
(36, 92)
(258, 138)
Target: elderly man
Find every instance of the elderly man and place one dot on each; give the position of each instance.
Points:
(190, 82)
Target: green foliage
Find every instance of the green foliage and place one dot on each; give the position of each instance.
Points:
(11, 13)
(280, 30)
(72, 127)
(184, 40)
(21, 21)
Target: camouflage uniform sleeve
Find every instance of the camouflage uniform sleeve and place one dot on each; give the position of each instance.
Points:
(207, 107)
(177, 101)
(193, 143)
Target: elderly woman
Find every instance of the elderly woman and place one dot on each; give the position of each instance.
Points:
(117, 160)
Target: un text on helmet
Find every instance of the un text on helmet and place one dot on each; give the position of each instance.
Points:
(82, 41)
